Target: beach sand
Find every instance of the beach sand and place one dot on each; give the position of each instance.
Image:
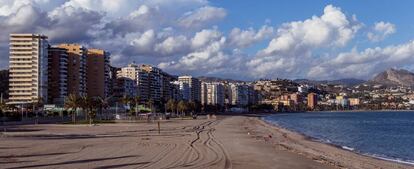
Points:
(225, 142)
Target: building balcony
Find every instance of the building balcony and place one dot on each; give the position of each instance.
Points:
(22, 52)
(27, 75)
(21, 47)
(15, 93)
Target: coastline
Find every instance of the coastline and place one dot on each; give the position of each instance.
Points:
(346, 111)
(327, 153)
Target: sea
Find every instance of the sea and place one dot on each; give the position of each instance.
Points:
(384, 135)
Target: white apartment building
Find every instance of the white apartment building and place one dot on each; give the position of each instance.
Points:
(195, 87)
(212, 93)
(28, 68)
(152, 83)
(240, 94)
(185, 91)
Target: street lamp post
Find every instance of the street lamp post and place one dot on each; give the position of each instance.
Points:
(22, 112)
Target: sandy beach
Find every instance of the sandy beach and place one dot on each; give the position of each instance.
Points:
(225, 142)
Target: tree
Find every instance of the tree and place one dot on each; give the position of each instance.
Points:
(137, 100)
(104, 103)
(125, 100)
(84, 102)
(72, 102)
(151, 104)
(92, 104)
(3, 107)
(171, 106)
(182, 107)
(38, 103)
(192, 107)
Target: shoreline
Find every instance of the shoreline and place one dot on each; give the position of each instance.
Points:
(344, 111)
(367, 111)
(302, 144)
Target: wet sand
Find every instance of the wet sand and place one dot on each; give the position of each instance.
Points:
(320, 152)
(226, 142)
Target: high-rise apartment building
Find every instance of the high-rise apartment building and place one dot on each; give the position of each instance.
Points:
(125, 87)
(112, 79)
(130, 71)
(184, 90)
(240, 94)
(152, 83)
(140, 77)
(28, 68)
(175, 91)
(98, 71)
(159, 83)
(312, 100)
(58, 75)
(203, 93)
(212, 93)
(195, 87)
(77, 67)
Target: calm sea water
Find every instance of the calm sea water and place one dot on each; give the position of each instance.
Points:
(386, 135)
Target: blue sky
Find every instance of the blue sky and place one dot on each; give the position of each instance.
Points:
(228, 38)
(246, 14)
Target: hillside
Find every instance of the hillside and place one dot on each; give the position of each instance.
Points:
(394, 77)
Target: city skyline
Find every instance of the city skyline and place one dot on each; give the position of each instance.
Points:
(318, 40)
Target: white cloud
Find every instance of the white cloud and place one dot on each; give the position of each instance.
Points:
(380, 31)
(329, 30)
(208, 56)
(290, 53)
(145, 41)
(244, 38)
(178, 36)
(205, 37)
(202, 16)
(366, 63)
(173, 45)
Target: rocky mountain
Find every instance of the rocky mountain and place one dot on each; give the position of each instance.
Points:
(394, 77)
(345, 82)
(4, 82)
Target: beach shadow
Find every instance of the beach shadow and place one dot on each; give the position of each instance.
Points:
(33, 155)
(66, 137)
(121, 165)
(72, 162)
(20, 130)
(12, 147)
(13, 162)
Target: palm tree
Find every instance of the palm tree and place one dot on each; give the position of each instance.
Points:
(192, 107)
(137, 100)
(182, 107)
(150, 104)
(104, 103)
(125, 100)
(3, 107)
(72, 102)
(84, 104)
(38, 103)
(171, 105)
(92, 104)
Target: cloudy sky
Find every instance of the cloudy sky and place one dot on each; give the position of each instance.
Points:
(228, 38)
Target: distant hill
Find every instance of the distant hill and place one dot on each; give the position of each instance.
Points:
(394, 77)
(217, 79)
(4, 83)
(345, 82)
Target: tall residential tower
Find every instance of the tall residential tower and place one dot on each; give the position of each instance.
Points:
(28, 68)
(77, 68)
